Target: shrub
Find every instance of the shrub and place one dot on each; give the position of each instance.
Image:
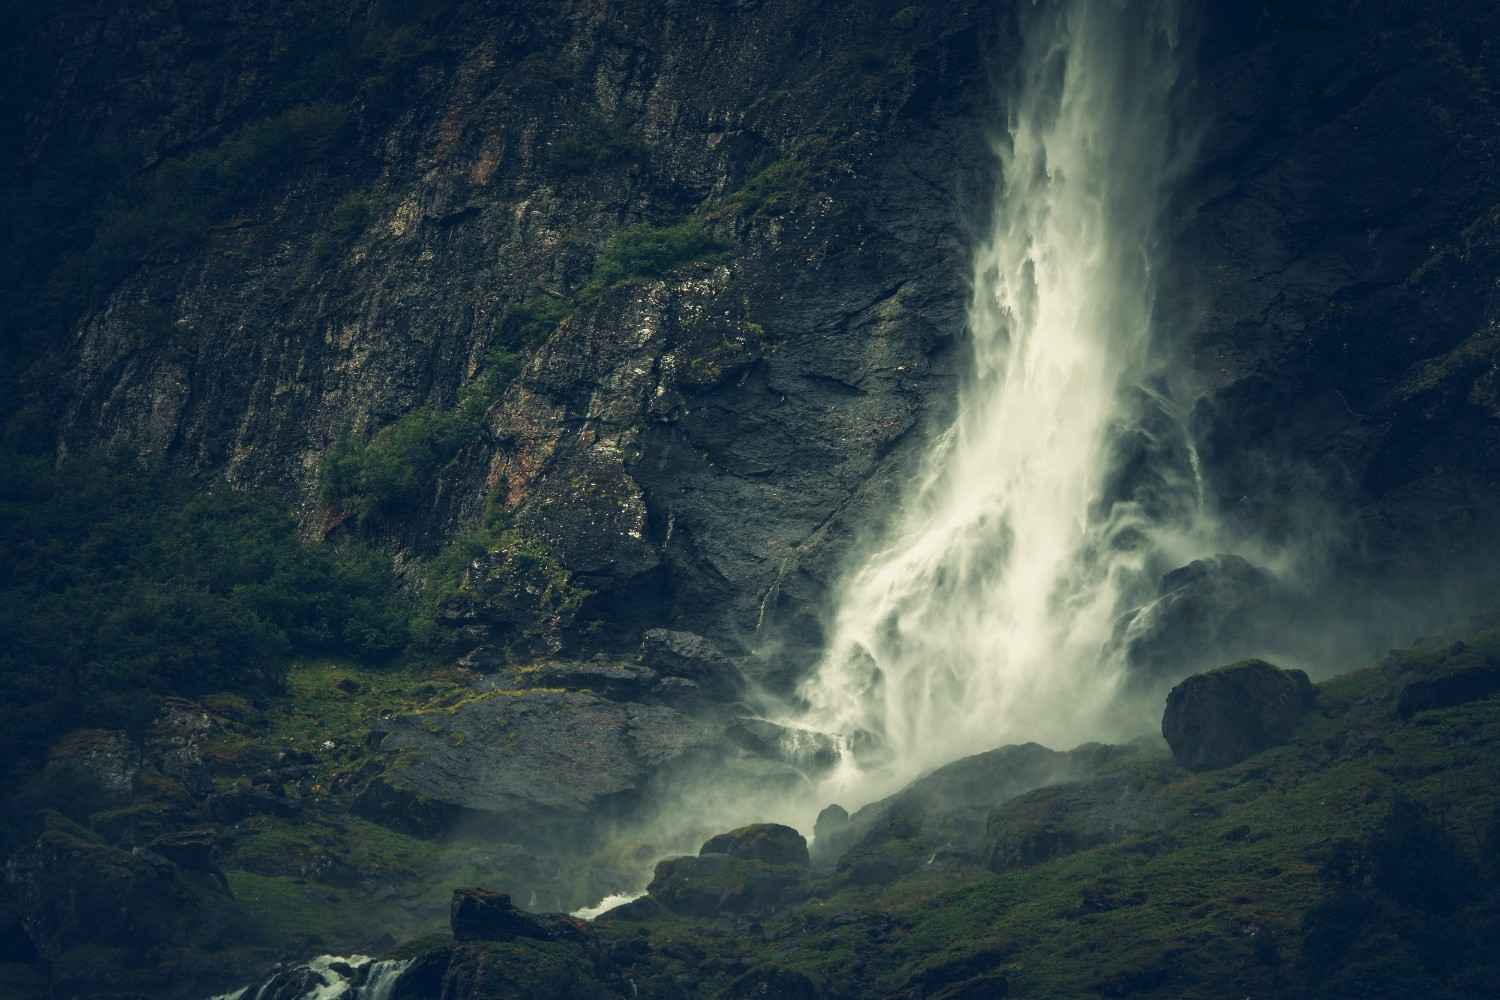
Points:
(126, 583)
(595, 146)
(647, 251)
(390, 472)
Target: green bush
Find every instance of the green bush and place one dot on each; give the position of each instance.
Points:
(647, 251)
(391, 472)
(125, 583)
(595, 146)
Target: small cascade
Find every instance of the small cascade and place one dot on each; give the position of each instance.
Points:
(327, 977)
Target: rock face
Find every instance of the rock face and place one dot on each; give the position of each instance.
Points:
(1221, 717)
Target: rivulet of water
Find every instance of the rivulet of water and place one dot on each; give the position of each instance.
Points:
(979, 616)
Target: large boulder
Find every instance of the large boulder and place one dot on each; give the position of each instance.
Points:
(537, 761)
(772, 843)
(1447, 690)
(711, 884)
(1221, 717)
(943, 816)
(482, 915)
(90, 769)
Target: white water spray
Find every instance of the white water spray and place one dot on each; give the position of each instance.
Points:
(980, 619)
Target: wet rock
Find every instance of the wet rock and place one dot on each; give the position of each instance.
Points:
(1447, 690)
(691, 656)
(718, 883)
(829, 831)
(1209, 611)
(810, 751)
(539, 761)
(772, 843)
(482, 915)
(1221, 717)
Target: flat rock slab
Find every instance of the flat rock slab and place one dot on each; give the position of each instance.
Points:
(521, 754)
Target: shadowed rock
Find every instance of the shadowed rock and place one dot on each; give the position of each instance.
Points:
(482, 915)
(769, 842)
(1221, 717)
(1451, 689)
(718, 883)
(1209, 611)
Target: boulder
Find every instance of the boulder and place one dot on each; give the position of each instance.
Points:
(541, 762)
(772, 843)
(482, 915)
(90, 769)
(74, 893)
(712, 884)
(829, 831)
(1221, 717)
(944, 814)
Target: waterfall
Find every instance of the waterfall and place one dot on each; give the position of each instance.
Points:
(978, 618)
(327, 977)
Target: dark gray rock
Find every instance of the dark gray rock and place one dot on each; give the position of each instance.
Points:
(1221, 717)
(1447, 690)
(772, 843)
(1210, 611)
(711, 884)
(830, 831)
(483, 915)
(91, 769)
(689, 655)
(197, 849)
(944, 815)
(538, 761)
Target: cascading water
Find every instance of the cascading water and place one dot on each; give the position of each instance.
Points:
(981, 617)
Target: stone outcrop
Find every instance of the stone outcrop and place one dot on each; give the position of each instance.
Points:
(1210, 611)
(1221, 717)
(482, 915)
(712, 884)
(771, 843)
